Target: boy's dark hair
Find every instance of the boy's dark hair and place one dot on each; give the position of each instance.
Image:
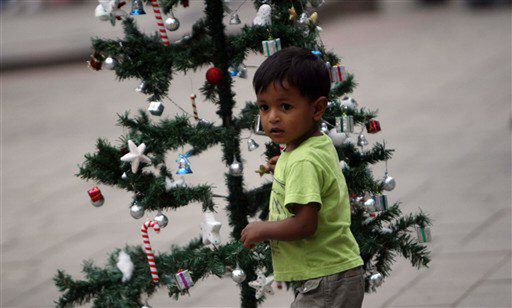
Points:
(299, 67)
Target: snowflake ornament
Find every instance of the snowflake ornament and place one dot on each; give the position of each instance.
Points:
(262, 284)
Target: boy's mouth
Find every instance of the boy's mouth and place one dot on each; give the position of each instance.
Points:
(276, 132)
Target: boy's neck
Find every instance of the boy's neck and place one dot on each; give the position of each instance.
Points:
(295, 144)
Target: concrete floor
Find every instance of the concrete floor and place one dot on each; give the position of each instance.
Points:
(441, 78)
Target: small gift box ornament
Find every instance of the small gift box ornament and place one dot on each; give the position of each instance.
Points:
(271, 46)
(338, 73)
(381, 202)
(97, 198)
(423, 234)
(156, 108)
(345, 124)
(94, 62)
(258, 128)
(373, 127)
(183, 280)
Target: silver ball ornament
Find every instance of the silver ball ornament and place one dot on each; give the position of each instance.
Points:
(370, 205)
(388, 183)
(238, 275)
(136, 210)
(376, 280)
(358, 200)
(344, 165)
(236, 168)
(109, 63)
(161, 219)
(348, 102)
(172, 23)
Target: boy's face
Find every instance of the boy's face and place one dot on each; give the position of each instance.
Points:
(287, 116)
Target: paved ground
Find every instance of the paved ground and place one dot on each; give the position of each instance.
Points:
(442, 80)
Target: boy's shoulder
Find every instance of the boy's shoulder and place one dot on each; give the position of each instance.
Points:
(314, 149)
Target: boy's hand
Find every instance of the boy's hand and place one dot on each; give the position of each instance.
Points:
(271, 165)
(253, 233)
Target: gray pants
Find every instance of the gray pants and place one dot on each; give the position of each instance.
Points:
(342, 290)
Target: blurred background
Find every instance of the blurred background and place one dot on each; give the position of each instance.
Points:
(438, 71)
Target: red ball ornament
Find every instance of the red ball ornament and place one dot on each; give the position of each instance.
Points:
(213, 75)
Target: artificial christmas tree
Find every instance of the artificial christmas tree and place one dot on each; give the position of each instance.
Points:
(380, 229)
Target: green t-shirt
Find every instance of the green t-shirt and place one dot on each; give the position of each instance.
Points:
(311, 173)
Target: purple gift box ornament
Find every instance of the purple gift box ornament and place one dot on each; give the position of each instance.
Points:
(183, 280)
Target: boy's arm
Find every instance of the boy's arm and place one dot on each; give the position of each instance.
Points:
(297, 227)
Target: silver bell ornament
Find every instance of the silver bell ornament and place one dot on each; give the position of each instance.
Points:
(361, 140)
(388, 183)
(238, 275)
(172, 23)
(236, 168)
(252, 145)
(242, 71)
(136, 210)
(109, 63)
(234, 19)
(124, 176)
(140, 88)
(258, 127)
(161, 219)
(324, 128)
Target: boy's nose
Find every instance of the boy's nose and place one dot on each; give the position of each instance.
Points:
(274, 117)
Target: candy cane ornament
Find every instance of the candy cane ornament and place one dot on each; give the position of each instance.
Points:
(159, 21)
(147, 246)
(194, 107)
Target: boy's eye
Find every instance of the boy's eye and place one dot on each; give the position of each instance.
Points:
(263, 107)
(286, 106)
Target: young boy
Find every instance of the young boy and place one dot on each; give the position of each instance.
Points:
(309, 219)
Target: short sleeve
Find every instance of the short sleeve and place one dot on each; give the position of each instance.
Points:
(303, 184)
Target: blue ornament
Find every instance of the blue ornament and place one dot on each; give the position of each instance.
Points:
(317, 54)
(183, 164)
(137, 8)
(233, 71)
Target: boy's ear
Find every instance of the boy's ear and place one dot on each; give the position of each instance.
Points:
(319, 108)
